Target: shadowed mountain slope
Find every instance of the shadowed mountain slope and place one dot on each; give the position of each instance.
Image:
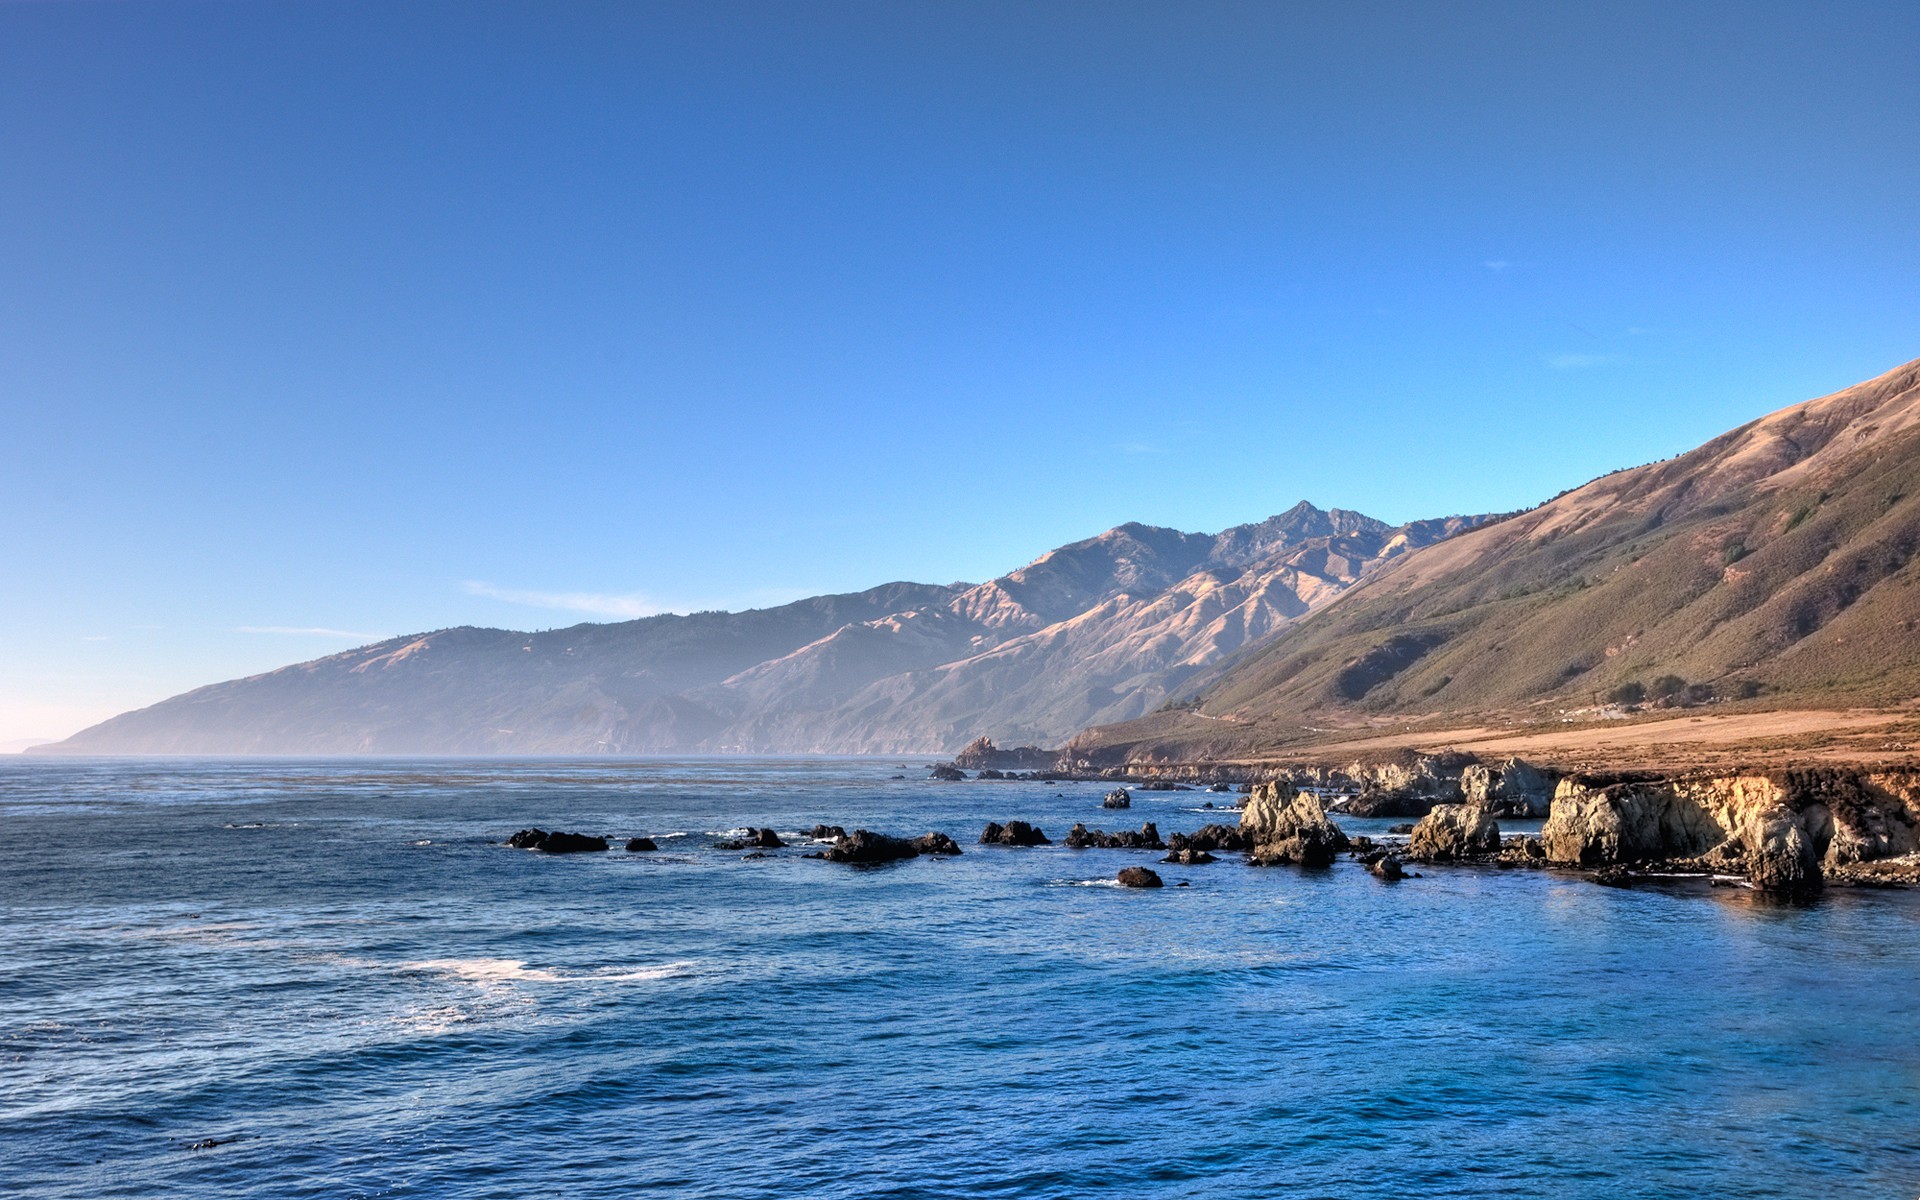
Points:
(1773, 565)
(1103, 629)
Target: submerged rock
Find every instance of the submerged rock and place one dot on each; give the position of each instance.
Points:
(640, 844)
(1013, 833)
(1140, 877)
(1454, 831)
(755, 839)
(556, 842)
(1188, 856)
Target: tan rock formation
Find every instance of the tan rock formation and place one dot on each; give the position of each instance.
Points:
(1453, 831)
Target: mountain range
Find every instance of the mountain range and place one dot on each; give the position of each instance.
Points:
(1103, 630)
(1771, 568)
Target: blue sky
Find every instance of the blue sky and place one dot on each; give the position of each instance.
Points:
(320, 322)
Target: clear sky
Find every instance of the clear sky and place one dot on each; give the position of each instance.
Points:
(321, 322)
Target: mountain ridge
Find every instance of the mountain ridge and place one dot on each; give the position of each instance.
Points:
(1771, 565)
(1100, 629)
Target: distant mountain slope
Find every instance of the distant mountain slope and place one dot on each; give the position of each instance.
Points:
(1774, 563)
(1103, 629)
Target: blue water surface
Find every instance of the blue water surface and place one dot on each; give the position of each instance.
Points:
(334, 973)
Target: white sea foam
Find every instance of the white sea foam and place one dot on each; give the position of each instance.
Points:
(483, 970)
(513, 970)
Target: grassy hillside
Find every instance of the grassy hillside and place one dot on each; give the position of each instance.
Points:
(1773, 567)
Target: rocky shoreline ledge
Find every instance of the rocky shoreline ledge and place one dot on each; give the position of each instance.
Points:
(1793, 830)
(1783, 832)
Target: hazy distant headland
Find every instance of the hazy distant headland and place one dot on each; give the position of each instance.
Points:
(1103, 630)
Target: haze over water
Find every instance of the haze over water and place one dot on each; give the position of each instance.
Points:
(334, 970)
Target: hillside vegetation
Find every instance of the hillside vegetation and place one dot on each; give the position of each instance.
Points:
(1772, 567)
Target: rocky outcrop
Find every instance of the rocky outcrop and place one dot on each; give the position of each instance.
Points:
(1785, 830)
(1388, 868)
(865, 846)
(1515, 788)
(1140, 877)
(1013, 833)
(1453, 831)
(1082, 838)
(641, 845)
(1117, 798)
(947, 773)
(556, 842)
(1209, 837)
(936, 843)
(982, 755)
(1295, 829)
(826, 833)
(1187, 856)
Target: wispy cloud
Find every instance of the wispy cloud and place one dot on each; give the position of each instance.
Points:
(94, 637)
(1496, 265)
(599, 604)
(308, 631)
(1579, 362)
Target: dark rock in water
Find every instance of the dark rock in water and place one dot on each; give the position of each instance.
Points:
(826, 833)
(1140, 877)
(1209, 837)
(1219, 787)
(950, 774)
(865, 846)
(1189, 857)
(1359, 843)
(637, 845)
(1388, 804)
(991, 773)
(556, 842)
(1402, 827)
(211, 1143)
(1208, 804)
(1082, 838)
(896, 777)
(1013, 833)
(1118, 798)
(756, 839)
(1245, 789)
(755, 854)
(935, 843)
(1387, 867)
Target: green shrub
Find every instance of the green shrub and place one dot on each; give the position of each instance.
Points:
(1630, 692)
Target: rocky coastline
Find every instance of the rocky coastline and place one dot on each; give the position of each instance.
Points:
(1785, 832)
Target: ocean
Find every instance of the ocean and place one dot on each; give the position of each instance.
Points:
(270, 978)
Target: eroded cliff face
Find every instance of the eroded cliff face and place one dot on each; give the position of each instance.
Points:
(1786, 831)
